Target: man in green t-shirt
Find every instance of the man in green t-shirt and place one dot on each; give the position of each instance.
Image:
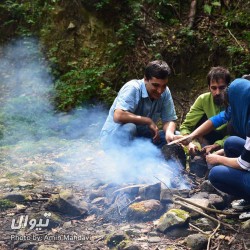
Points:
(206, 106)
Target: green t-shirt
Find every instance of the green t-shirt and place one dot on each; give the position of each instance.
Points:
(204, 105)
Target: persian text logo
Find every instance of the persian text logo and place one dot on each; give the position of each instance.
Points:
(24, 221)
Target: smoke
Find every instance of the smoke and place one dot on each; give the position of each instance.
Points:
(68, 142)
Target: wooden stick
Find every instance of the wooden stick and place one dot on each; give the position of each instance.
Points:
(206, 215)
(211, 235)
(124, 188)
(235, 39)
(198, 229)
(205, 208)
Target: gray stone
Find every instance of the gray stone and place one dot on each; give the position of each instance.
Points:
(173, 218)
(115, 238)
(202, 202)
(217, 201)
(206, 186)
(15, 197)
(246, 226)
(197, 241)
(150, 192)
(167, 194)
(154, 239)
(96, 193)
(67, 203)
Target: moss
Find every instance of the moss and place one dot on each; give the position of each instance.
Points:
(6, 204)
(123, 244)
(139, 207)
(180, 213)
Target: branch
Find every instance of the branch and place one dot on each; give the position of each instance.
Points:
(204, 208)
(211, 235)
(235, 39)
(206, 215)
(192, 13)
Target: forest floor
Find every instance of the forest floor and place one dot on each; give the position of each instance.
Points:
(39, 169)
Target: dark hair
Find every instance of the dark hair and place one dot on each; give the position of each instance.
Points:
(158, 69)
(217, 73)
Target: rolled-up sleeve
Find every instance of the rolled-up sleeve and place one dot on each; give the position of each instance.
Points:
(127, 98)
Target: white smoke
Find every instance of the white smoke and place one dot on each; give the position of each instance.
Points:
(27, 115)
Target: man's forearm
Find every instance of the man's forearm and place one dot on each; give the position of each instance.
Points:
(203, 129)
(121, 116)
(169, 128)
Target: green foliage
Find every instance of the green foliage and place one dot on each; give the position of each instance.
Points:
(93, 66)
(209, 8)
(6, 204)
(78, 86)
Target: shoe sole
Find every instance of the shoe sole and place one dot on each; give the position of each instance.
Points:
(241, 207)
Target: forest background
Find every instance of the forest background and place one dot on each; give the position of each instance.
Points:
(94, 47)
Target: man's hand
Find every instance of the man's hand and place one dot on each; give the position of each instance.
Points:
(155, 131)
(210, 148)
(213, 159)
(185, 140)
(192, 149)
(172, 137)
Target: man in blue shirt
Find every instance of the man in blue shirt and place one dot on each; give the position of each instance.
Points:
(231, 172)
(139, 106)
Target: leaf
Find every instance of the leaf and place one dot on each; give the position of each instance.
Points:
(216, 4)
(208, 9)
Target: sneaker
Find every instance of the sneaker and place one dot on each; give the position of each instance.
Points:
(241, 204)
(244, 216)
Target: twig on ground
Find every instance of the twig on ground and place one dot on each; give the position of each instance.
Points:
(206, 215)
(164, 185)
(212, 234)
(218, 247)
(244, 244)
(205, 208)
(36, 200)
(198, 229)
(132, 186)
(232, 239)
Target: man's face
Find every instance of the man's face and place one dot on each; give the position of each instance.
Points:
(155, 87)
(217, 89)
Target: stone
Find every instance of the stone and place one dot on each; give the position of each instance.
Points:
(206, 186)
(202, 202)
(96, 193)
(217, 201)
(150, 192)
(15, 197)
(205, 224)
(197, 241)
(246, 226)
(115, 238)
(172, 218)
(128, 245)
(67, 203)
(145, 210)
(166, 194)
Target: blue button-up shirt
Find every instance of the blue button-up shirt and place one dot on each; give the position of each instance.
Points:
(133, 97)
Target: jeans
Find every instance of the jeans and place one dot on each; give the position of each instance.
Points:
(229, 180)
(128, 132)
